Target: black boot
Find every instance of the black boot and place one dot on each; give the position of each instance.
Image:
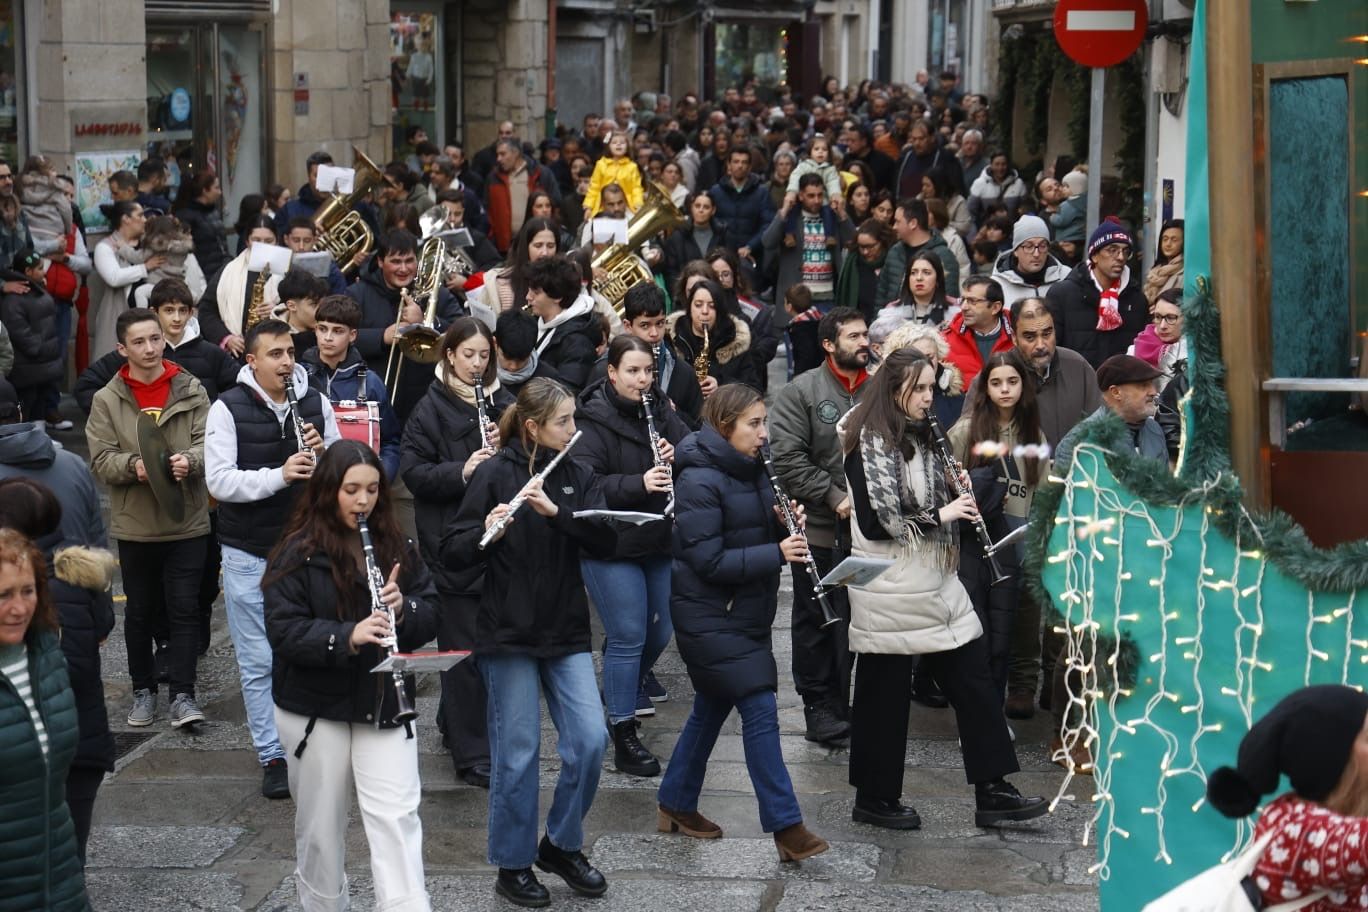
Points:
(824, 726)
(521, 887)
(927, 692)
(998, 801)
(571, 867)
(881, 812)
(629, 754)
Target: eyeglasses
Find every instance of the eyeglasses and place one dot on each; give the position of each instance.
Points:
(974, 301)
(1034, 248)
(1167, 318)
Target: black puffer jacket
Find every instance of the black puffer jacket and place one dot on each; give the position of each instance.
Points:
(206, 230)
(441, 434)
(31, 320)
(573, 349)
(681, 386)
(1073, 302)
(314, 672)
(617, 449)
(725, 582)
(729, 344)
(78, 579)
(532, 602)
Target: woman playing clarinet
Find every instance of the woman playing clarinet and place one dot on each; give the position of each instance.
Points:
(335, 717)
(904, 513)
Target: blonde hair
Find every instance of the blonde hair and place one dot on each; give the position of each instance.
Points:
(537, 402)
(909, 333)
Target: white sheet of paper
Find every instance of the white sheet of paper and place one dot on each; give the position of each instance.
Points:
(278, 258)
(631, 517)
(332, 178)
(317, 263)
(855, 572)
(610, 231)
(423, 660)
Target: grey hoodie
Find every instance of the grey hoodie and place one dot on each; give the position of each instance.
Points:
(27, 451)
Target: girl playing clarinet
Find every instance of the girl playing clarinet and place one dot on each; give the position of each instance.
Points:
(335, 717)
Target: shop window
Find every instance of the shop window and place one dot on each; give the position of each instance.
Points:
(417, 95)
(10, 70)
(747, 50)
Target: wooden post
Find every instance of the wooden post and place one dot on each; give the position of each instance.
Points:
(1244, 343)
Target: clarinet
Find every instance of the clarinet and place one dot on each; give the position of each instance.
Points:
(294, 415)
(502, 522)
(376, 581)
(829, 616)
(955, 470)
(482, 412)
(654, 437)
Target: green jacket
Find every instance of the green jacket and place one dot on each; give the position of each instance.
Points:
(39, 868)
(112, 432)
(806, 450)
(895, 268)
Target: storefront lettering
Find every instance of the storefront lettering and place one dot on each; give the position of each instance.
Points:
(124, 128)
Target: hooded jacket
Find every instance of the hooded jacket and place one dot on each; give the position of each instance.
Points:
(568, 343)
(895, 267)
(344, 383)
(1074, 305)
(26, 451)
(729, 345)
(744, 212)
(31, 319)
(680, 383)
(724, 583)
(45, 204)
(616, 448)
(214, 368)
(533, 601)
(1009, 191)
(682, 247)
(112, 434)
(1016, 286)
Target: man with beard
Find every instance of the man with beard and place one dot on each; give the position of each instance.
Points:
(1099, 308)
(808, 457)
(1028, 270)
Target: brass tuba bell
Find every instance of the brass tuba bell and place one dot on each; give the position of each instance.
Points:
(342, 231)
(621, 263)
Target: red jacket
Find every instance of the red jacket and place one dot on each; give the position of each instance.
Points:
(964, 350)
(498, 202)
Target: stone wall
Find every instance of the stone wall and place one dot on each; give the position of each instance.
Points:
(504, 53)
(343, 47)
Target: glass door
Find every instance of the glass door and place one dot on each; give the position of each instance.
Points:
(179, 107)
(240, 143)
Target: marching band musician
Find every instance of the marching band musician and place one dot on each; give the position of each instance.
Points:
(903, 510)
(481, 251)
(223, 310)
(334, 715)
(532, 637)
(505, 287)
(302, 237)
(631, 590)
(443, 445)
(643, 316)
(162, 559)
(567, 324)
(726, 357)
(256, 449)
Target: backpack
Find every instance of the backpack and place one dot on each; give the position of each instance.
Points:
(1221, 888)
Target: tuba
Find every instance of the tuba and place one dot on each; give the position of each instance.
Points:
(621, 262)
(342, 231)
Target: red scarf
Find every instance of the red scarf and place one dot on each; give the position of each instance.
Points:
(152, 397)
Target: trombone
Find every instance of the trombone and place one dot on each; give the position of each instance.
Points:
(418, 342)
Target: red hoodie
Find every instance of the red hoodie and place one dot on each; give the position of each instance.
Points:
(152, 397)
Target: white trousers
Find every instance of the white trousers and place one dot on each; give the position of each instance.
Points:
(383, 767)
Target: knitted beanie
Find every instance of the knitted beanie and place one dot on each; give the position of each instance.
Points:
(1027, 228)
(1108, 231)
(1308, 736)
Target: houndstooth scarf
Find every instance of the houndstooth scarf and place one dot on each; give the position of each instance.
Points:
(903, 512)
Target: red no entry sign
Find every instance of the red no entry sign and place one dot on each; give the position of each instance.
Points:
(1100, 33)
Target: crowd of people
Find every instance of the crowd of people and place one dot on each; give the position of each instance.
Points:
(564, 452)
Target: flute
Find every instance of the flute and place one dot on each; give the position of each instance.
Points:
(955, 471)
(502, 522)
(829, 615)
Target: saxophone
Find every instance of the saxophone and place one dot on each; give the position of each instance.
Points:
(701, 360)
(258, 298)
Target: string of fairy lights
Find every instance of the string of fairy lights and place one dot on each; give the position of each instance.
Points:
(1177, 622)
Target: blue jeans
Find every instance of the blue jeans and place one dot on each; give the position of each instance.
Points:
(769, 777)
(633, 601)
(514, 683)
(243, 602)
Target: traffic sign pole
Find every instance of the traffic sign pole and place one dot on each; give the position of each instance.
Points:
(1099, 92)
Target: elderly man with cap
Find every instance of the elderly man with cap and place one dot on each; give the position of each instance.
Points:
(1028, 270)
(1099, 308)
(1130, 393)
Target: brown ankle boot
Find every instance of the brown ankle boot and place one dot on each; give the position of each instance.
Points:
(690, 823)
(798, 842)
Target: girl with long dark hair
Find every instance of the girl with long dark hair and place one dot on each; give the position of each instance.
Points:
(442, 447)
(924, 298)
(505, 288)
(532, 638)
(336, 717)
(904, 512)
(727, 353)
(631, 590)
(1000, 417)
(757, 314)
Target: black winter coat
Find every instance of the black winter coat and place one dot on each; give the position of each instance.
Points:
(725, 581)
(533, 601)
(313, 670)
(206, 230)
(441, 434)
(682, 388)
(31, 320)
(379, 305)
(681, 247)
(616, 448)
(745, 213)
(214, 368)
(573, 350)
(729, 347)
(1073, 302)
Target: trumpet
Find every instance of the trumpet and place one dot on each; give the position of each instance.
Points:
(293, 398)
(781, 498)
(375, 581)
(955, 470)
(482, 412)
(502, 522)
(654, 437)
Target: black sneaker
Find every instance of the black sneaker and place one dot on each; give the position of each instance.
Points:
(998, 802)
(571, 867)
(629, 754)
(927, 692)
(654, 689)
(521, 887)
(477, 775)
(275, 779)
(823, 725)
(880, 812)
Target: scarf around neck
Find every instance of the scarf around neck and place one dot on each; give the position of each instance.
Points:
(464, 391)
(516, 377)
(904, 496)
